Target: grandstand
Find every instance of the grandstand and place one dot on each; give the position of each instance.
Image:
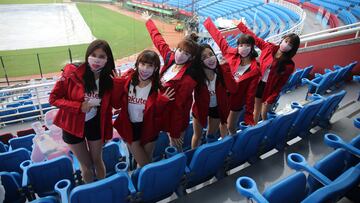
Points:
(307, 151)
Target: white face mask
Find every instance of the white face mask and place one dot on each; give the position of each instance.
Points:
(285, 47)
(244, 51)
(96, 64)
(181, 57)
(210, 62)
(145, 72)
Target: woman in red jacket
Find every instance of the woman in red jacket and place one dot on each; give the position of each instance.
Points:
(276, 66)
(136, 93)
(241, 77)
(178, 74)
(211, 103)
(83, 96)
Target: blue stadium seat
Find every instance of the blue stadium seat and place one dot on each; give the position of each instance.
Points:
(113, 189)
(152, 190)
(12, 185)
(22, 142)
(43, 176)
(305, 118)
(246, 144)
(10, 161)
(111, 156)
(206, 161)
(328, 109)
(275, 136)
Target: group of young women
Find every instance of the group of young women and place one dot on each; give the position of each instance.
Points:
(151, 98)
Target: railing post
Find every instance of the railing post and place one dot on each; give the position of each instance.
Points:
(3, 66)
(38, 59)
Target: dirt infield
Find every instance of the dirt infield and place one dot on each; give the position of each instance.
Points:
(170, 35)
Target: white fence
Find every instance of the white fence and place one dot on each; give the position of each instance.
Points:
(25, 103)
(296, 29)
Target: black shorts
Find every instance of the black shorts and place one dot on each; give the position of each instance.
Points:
(91, 132)
(137, 129)
(213, 112)
(260, 90)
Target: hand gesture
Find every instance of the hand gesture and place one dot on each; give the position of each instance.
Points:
(85, 106)
(146, 16)
(169, 93)
(115, 74)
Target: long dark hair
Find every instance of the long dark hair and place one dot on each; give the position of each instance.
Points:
(201, 76)
(105, 81)
(248, 39)
(286, 57)
(149, 57)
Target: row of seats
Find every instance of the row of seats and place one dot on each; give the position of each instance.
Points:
(22, 112)
(333, 177)
(329, 80)
(295, 79)
(194, 166)
(30, 178)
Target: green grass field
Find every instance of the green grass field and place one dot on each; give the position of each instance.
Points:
(125, 35)
(29, 1)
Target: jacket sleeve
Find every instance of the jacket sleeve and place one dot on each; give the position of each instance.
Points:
(58, 97)
(161, 103)
(258, 41)
(157, 39)
(250, 101)
(280, 84)
(116, 92)
(218, 38)
(230, 83)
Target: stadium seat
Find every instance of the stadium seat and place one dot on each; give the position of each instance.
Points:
(152, 190)
(275, 136)
(328, 109)
(22, 142)
(43, 176)
(111, 156)
(3, 147)
(10, 161)
(113, 189)
(12, 185)
(206, 161)
(247, 143)
(305, 118)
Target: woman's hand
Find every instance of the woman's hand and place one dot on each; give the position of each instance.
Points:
(85, 106)
(116, 74)
(169, 93)
(146, 16)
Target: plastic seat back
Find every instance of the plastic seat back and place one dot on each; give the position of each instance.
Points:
(10, 161)
(22, 142)
(247, 142)
(291, 189)
(113, 189)
(208, 159)
(44, 175)
(160, 179)
(280, 127)
(111, 156)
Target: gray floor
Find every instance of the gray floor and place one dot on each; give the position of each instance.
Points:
(274, 168)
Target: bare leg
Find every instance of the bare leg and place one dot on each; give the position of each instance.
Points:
(232, 121)
(213, 125)
(257, 110)
(96, 148)
(81, 152)
(265, 108)
(223, 129)
(197, 133)
(139, 153)
(149, 149)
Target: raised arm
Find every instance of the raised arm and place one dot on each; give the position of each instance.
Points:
(217, 36)
(157, 39)
(258, 41)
